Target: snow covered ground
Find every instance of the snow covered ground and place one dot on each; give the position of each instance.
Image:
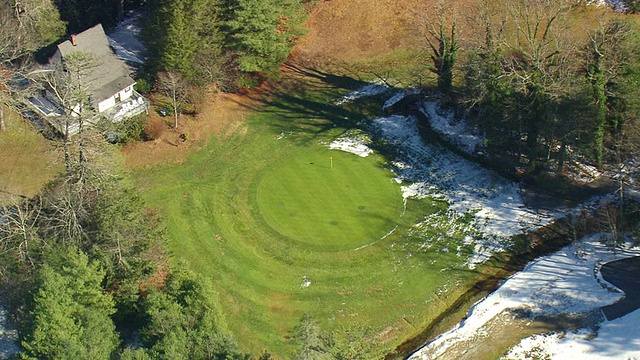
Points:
(124, 40)
(426, 169)
(560, 283)
(617, 339)
(457, 132)
(8, 337)
(565, 282)
(367, 90)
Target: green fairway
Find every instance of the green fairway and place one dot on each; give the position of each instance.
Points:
(281, 233)
(329, 200)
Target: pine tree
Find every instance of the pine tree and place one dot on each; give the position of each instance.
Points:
(70, 312)
(185, 321)
(263, 33)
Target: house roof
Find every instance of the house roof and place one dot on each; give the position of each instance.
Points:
(108, 74)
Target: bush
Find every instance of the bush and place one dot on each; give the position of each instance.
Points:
(248, 80)
(143, 86)
(129, 129)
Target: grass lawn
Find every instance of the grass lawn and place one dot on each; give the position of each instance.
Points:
(282, 234)
(28, 160)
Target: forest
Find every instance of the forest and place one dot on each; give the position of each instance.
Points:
(84, 268)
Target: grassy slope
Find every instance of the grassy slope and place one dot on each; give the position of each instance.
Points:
(217, 207)
(26, 163)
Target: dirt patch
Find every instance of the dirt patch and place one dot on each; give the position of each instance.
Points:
(221, 115)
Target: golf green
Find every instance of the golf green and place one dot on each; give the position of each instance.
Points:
(329, 200)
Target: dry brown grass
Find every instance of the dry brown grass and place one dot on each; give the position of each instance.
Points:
(28, 161)
(220, 115)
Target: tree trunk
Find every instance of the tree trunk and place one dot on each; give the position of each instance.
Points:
(176, 104)
(561, 156)
(81, 176)
(2, 125)
(120, 10)
(66, 145)
(175, 115)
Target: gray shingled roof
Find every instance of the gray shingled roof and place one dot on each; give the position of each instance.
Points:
(108, 75)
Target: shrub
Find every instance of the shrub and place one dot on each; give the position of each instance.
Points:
(130, 129)
(143, 86)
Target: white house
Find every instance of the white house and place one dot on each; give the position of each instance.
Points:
(108, 79)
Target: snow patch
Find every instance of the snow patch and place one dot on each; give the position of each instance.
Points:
(123, 53)
(352, 146)
(365, 91)
(124, 39)
(354, 141)
(429, 170)
(618, 5)
(305, 282)
(455, 131)
(397, 97)
(8, 337)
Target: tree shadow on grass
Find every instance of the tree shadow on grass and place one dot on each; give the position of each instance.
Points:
(305, 103)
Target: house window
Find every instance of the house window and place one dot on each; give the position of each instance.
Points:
(118, 97)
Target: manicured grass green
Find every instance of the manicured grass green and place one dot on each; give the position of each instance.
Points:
(329, 200)
(281, 234)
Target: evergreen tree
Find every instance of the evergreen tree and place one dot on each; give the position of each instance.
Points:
(186, 322)
(181, 33)
(262, 32)
(609, 56)
(70, 313)
(444, 53)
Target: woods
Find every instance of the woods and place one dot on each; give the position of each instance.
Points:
(543, 91)
(221, 42)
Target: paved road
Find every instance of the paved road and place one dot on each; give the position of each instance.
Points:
(625, 275)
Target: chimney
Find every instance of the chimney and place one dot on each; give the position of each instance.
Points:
(73, 40)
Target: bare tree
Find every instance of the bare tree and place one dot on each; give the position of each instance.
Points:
(70, 89)
(537, 63)
(19, 232)
(9, 52)
(443, 47)
(25, 25)
(175, 88)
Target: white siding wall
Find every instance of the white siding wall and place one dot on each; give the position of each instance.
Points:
(106, 104)
(126, 93)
